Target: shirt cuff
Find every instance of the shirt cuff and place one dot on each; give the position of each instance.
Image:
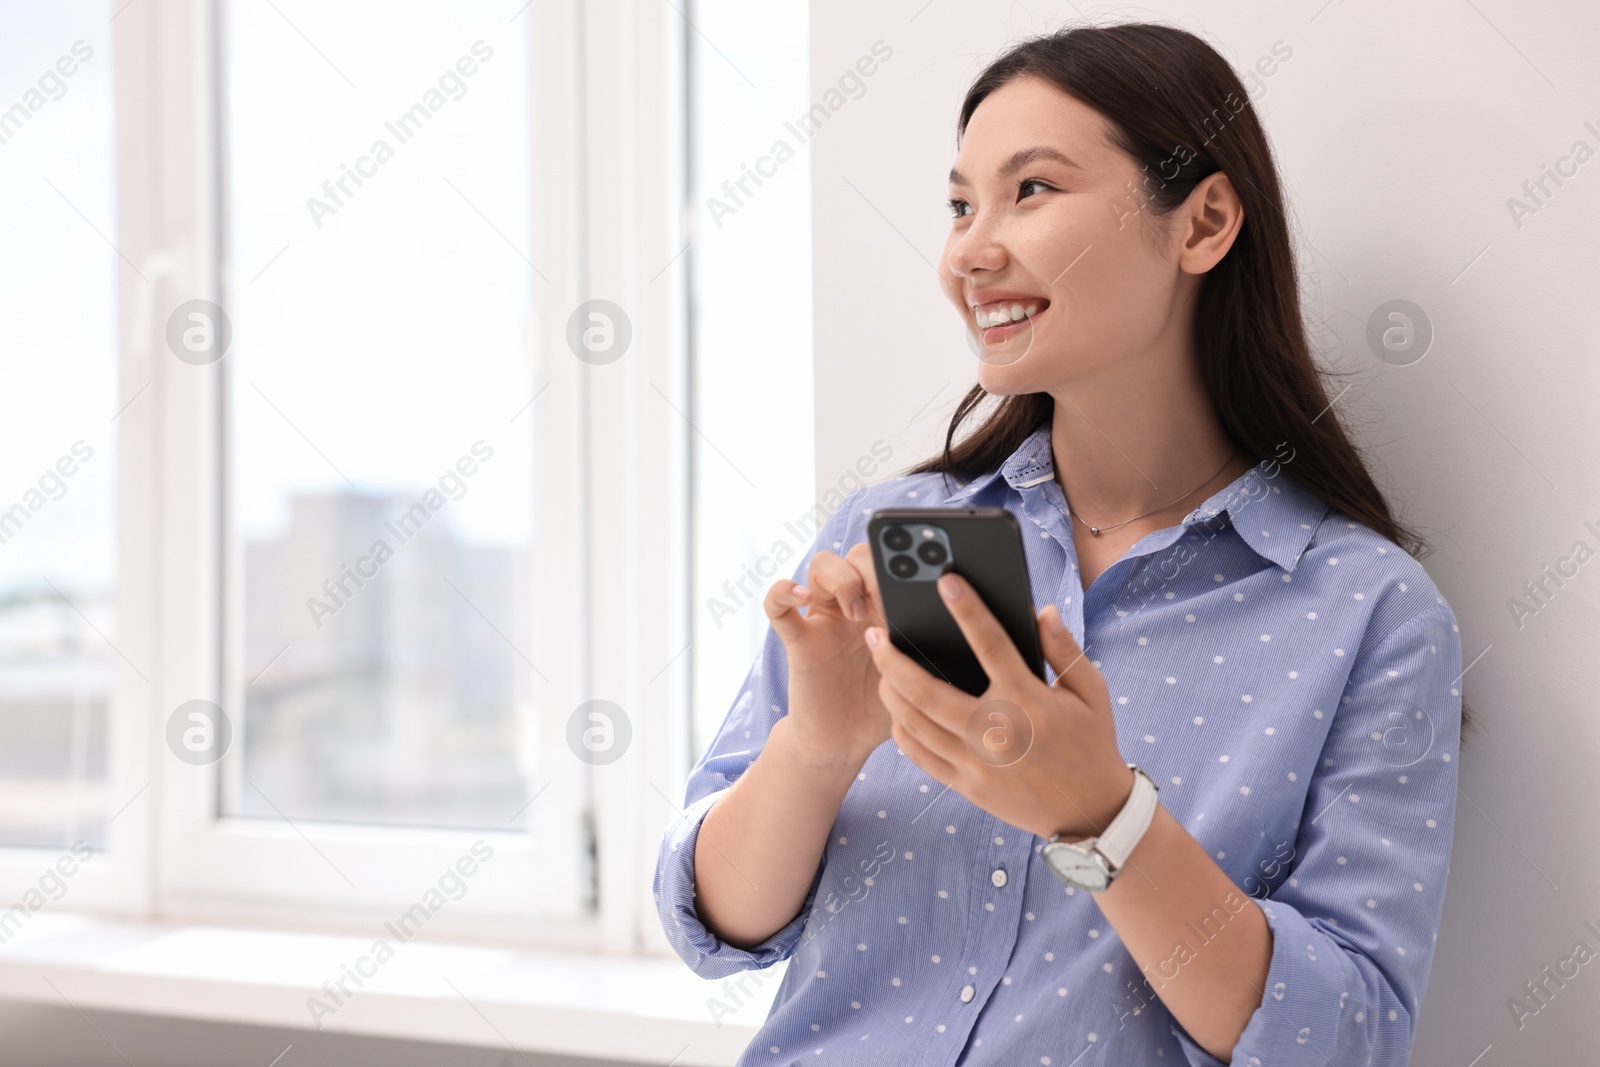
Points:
(1321, 998)
(705, 953)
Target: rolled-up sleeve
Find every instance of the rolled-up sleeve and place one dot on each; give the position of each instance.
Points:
(1354, 923)
(761, 701)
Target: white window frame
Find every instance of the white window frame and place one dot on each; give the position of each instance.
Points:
(610, 543)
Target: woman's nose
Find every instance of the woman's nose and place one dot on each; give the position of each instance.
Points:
(976, 250)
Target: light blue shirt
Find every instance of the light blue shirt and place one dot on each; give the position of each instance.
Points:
(1288, 677)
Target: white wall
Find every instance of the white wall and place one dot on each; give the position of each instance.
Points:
(1401, 130)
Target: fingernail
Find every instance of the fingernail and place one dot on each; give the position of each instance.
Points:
(949, 586)
(1055, 622)
(872, 637)
(858, 610)
(801, 590)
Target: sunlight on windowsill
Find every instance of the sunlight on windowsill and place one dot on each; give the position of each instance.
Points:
(565, 1003)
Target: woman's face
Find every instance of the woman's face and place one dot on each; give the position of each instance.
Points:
(1048, 219)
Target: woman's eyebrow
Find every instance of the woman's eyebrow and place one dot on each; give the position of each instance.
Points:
(1021, 158)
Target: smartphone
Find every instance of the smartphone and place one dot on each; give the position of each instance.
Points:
(912, 547)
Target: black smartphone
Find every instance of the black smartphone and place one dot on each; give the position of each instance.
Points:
(912, 547)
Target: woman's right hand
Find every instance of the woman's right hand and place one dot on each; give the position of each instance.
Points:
(776, 819)
(835, 714)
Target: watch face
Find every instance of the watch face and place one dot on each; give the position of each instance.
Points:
(1084, 870)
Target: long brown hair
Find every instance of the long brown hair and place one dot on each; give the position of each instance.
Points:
(1177, 107)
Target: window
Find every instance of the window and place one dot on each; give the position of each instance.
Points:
(343, 478)
(380, 486)
(58, 428)
(755, 454)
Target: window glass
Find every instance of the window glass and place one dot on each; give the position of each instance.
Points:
(751, 335)
(377, 218)
(58, 423)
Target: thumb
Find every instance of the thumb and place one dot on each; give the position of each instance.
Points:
(1072, 668)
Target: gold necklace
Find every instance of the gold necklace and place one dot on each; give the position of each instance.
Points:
(1098, 530)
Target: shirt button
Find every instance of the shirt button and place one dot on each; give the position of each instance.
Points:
(967, 993)
(998, 878)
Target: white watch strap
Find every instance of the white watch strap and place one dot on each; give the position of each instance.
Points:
(1122, 836)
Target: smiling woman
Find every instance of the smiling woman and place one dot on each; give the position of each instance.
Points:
(1130, 289)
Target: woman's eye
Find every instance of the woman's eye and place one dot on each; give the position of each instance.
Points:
(960, 208)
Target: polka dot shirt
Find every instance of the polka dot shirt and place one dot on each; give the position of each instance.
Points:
(1288, 677)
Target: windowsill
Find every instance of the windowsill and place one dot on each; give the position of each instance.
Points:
(618, 1007)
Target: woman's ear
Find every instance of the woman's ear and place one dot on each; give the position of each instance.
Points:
(1210, 219)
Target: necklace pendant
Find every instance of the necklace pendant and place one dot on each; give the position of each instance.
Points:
(1095, 530)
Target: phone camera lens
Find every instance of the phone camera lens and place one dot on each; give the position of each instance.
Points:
(932, 553)
(897, 538)
(902, 566)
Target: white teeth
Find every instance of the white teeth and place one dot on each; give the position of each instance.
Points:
(1003, 314)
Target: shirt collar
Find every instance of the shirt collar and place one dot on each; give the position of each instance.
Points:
(1273, 514)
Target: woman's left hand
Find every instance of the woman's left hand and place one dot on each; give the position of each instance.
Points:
(1043, 758)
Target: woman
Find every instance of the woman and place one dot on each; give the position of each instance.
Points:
(1262, 647)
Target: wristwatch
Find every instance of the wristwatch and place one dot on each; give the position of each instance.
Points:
(1092, 863)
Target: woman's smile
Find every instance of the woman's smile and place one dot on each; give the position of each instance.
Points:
(1002, 315)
